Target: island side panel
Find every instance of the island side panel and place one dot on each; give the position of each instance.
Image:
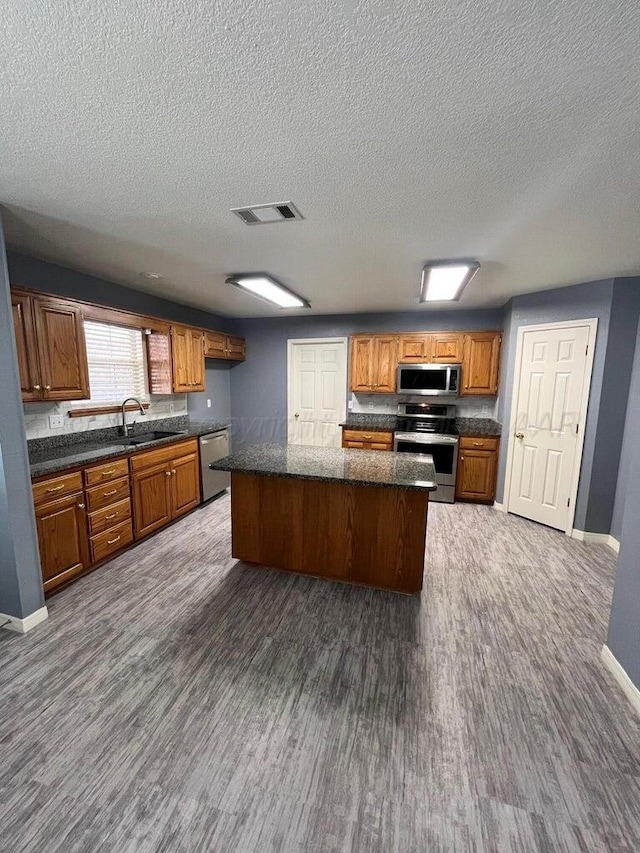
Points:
(364, 534)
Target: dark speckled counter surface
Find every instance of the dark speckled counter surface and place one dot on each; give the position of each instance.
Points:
(360, 467)
(478, 427)
(372, 422)
(59, 453)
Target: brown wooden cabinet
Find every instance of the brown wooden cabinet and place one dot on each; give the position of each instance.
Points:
(52, 354)
(362, 439)
(374, 361)
(187, 359)
(165, 484)
(62, 539)
(477, 469)
(481, 363)
(228, 347)
(414, 348)
(151, 491)
(446, 347)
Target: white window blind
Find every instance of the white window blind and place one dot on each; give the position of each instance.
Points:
(116, 362)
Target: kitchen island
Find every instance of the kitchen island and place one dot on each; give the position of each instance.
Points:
(358, 516)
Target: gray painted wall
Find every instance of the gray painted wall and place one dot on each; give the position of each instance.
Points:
(259, 386)
(31, 273)
(581, 301)
(218, 390)
(20, 579)
(624, 622)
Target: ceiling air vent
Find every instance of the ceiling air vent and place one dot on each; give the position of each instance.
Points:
(263, 214)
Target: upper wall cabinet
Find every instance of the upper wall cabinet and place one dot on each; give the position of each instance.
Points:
(228, 347)
(437, 347)
(481, 363)
(187, 359)
(374, 359)
(52, 355)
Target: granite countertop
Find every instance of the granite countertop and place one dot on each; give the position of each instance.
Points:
(58, 453)
(478, 426)
(372, 422)
(336, 464)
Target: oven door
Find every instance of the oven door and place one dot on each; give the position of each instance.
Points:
(443, 448)
(429, 380)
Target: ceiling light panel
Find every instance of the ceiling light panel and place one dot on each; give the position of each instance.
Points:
(445, 281)
(264, 214)
(265, 287)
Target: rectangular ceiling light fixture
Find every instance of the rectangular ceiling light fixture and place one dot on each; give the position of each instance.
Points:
(265, 287)
(444, 281)
(263, 214)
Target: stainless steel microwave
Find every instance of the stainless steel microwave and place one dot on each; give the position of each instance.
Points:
(429, 380)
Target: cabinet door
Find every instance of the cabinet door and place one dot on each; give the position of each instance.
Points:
(27, 347)
(185, 484)
(181, 359)
(196, 360)
(215, 345)
(151, 499)
(413, 349)
(63, 541)
(361, 370)
(62, 350)
(481, 363)
(446, 348)
(476, 477)
(385, 364)
(236, 349)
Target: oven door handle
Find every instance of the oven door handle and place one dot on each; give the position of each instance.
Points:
(409, 437)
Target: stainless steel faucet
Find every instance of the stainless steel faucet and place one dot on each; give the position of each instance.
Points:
(127, 429)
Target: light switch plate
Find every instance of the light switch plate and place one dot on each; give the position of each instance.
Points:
(56, 422)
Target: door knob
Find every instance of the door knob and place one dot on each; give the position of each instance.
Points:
(297, 415)
(519, 435)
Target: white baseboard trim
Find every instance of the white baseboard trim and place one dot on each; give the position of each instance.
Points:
(21, 626)
(618, 672)
(499, 507)
(596, 538)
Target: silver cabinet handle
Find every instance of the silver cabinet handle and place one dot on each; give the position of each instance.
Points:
(113, 541)
(56, 488)
(109, 473)
(36, 387)
(47, 387)
(108, 494)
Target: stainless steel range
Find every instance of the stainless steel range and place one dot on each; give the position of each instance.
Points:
(431, 428)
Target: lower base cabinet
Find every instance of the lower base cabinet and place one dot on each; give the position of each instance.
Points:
(165, 484)
(477, 469)
(362, 439)
(63, 541)
(87, 516)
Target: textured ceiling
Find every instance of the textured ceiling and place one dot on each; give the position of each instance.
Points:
(404, 131)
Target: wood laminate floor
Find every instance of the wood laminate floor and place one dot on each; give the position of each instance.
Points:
(178, 701)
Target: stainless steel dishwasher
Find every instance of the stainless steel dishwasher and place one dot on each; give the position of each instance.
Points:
(214, 446)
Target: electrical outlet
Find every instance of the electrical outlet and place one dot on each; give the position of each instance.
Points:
(485, 410)
(350, 405)
(56, 422)
(208, 404)
(171, 406)
(371, 406)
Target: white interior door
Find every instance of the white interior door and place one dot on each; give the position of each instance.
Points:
(317, 391)
(550, 395)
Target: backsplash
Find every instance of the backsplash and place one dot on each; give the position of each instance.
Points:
(36, 416)
(466, 407)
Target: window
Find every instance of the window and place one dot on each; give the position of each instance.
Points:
(116, 363)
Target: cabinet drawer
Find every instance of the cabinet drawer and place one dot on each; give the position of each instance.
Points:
(149, 458)
(57, 487)
(485, 443)
(367, 435)
(108, 516)
(108, 471)
(111, 541)
(110, 493)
